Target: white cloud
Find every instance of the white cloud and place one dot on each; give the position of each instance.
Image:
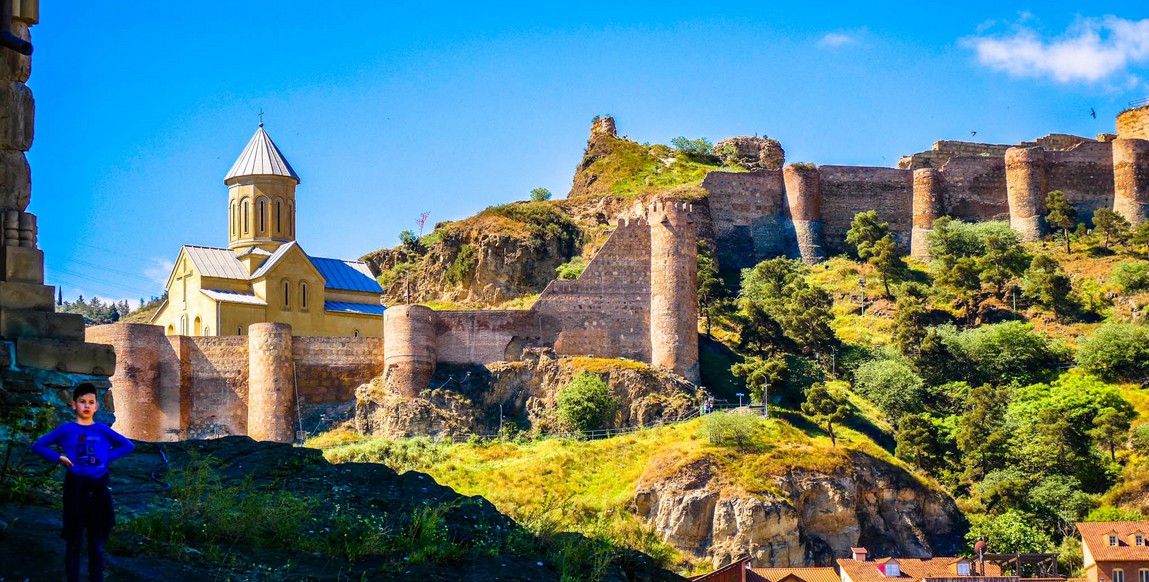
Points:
(1090, 50)
(158, 270)
(836, 39)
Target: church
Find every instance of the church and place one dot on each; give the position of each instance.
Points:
(264, 275)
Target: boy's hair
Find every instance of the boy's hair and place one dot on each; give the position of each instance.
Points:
(82, 389)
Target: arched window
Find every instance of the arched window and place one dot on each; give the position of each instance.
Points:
(262, 214)
(183, 325)
(246, 216)
(356, 334)
(286, 295)
(278, 216)
(303, 294)
(1143, 575)
(171, 329)
(206, 330)
(290, 219)
(239, 330)
(197, 326)
(231, 220)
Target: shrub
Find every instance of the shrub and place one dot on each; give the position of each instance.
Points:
(730, 429)
(1130, 276)
(540, 194)
(1005, 352)
(463, 265)
(1139, 438)
(698, 147)
(570, 270)
(892, 385)
(586, 403)
(1012, 532)
(1109, 513)
(1117, 351)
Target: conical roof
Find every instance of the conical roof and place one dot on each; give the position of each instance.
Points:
(261, 158)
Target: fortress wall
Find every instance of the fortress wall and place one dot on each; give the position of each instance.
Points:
(848, 190)
(480, 337)
(746, 214)
(329, 369)
(214, 380)
(1133, 123)
(1085, 174)
(146, 385)
(974, 188)
(606, 312)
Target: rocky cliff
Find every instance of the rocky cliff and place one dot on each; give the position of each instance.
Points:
(808, 518)
(521, 395)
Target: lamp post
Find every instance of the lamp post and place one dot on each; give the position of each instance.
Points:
(862, 286)
(766, 398)
(739, 395)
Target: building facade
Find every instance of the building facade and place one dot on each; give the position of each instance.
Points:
(1115, 551)
(264, 275)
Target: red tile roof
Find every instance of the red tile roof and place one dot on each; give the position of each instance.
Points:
(911, 569)
(792, 574)
(1095, 536)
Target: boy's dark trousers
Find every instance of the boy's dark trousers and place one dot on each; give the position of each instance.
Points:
(87, 506)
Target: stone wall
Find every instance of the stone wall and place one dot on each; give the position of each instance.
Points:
(213, 384)
(974, 188)
(848, 190)
(1085, 174)
(746, 216)
(1133, 123)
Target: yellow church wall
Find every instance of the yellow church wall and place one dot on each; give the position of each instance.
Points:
(261, 211)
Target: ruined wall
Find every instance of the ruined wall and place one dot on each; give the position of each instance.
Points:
(1133, 123)
(214, 381)
(929, 205)
(673, 289)
(607, 310)
(974, 188)
(848, 190)
(330, 368)
(1085, 174)
(480, 337)
(746, 216)
(1131, 179)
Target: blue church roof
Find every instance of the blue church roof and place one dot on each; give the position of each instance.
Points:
(346, 275)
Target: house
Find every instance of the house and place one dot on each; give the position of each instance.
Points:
(949, 569)
(1115, 551)
(741, 571)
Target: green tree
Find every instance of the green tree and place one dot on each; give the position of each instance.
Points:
(540, 194)
(893, 386)
(1139, 236)
(760, 374)
(910, 319)
(695, 147)
(982, 437)
(916, 442)
(713, 298)
(1011, 532)
(781, 310)
(1047, 284)
(1003, 259)
(570, 270)
(865, 231)
(1111, 224)
(1130, 276)
(1059, 213)
(1110, 426)
(1110, 513)
(887, 260)
(1005, 352)
(730, 429)
(586, 403)
(826, 408)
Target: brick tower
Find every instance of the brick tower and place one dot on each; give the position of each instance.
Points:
(673, 288)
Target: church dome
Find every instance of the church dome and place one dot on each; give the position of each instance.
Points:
(261, 158)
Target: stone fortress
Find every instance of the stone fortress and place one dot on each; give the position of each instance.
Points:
(804, 210)
(635, 299)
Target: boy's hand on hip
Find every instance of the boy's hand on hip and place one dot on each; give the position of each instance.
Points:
(66, 461)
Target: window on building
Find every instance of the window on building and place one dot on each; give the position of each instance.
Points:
(303, 294)
(278, 216)
(356, 333)
(1139, 540)
(183, 325)
(892, 570)
(206, 330)
(246, 217)
(1118, 575)
(963, 569)
(262, 215)
(231, 219)
(1143, 575)
(286, 295)
(1113, 540)
(239, 330)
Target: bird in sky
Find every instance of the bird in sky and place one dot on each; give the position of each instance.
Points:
(1092, 113)
(973, 133)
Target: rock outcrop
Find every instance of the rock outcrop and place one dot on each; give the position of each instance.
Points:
(521, 394)
(752, 153)
(811, 518)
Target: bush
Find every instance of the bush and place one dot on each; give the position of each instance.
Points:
(893, 386)
(586, 403)
(1139, 438)
(1117, 351)
(570, 270)
(697, 147)
(540, 194)
(463, 265)
(730, 429)
(1010, 532)
(1005, 352)
(1130, 276)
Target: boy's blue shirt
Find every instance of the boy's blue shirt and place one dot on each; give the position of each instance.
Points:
(90, 447)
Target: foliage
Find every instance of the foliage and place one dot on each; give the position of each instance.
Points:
(1110, 513)
(730, 429)
(1139, 439)
(1130, 276)
(918, 441)
(586, 403)
(826, 408)
(695, 147)
(1110, 427)
(1111, 224)
(760, 374)
(540, 194)
(1003, 353)
(1047, 284)
(1011, 532)
(1116, 351)
(463, 266)
(542, 221)
(866, 230)
(781, 310)
(1059, 213)
(570, 270)
(713, 297)
(408, 240)
(97, 312)
(892, 385)
(982, 436)
(910, 318)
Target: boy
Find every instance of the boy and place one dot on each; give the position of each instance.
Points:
(88, 447)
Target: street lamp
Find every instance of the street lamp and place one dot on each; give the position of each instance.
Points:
(739, 395)
(862, 286)
(766, 398)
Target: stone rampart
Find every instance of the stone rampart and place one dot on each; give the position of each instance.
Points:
(746, 216)
(147, 379)
(1085, 174)
(1133, 123)
(974, 188)
(1026, 187)
(271, 402)
(804, 210)
(1131, 179)
(929, 205)
(848, 190)
(673, 289)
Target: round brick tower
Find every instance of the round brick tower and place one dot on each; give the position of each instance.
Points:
(1026, 189)
(271, 413)
(804, 200)
(1131, 179)
(1133, 123)
(673, 289)
(928, 207)
(136, 385)
(408, 348)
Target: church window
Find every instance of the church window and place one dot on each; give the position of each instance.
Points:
(262, 214)
(356, 333)
(183, 325)
(303, 294)
(231, 219)
(278, 216)
(239, 330)
(286, 295)
(246, 217)
(197, 327)
(290, 219)
(206, 330)
(184, 279)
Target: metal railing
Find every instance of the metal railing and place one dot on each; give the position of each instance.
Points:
(1139, 102)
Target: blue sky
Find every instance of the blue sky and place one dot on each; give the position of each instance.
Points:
(390, 109)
